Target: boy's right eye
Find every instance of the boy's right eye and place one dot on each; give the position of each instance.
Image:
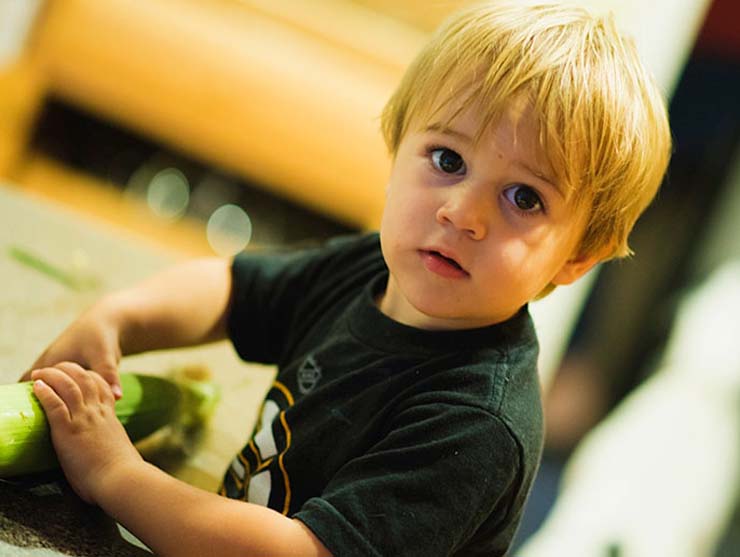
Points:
(447, 161)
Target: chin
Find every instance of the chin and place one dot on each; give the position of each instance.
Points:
(448, 316)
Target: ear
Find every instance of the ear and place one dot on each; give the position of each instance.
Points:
(575, 268)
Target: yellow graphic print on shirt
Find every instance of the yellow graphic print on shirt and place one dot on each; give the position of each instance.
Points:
(258, 474)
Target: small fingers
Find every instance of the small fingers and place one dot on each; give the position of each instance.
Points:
(92, 356)
(108, 370)
(63, 385)
(54, 407)
(110, 376)
(106, 393)
(82, 377)
(93, 385)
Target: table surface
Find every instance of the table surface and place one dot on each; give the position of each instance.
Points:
(40, 516)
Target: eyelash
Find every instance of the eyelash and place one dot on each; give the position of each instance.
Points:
(525, 213)
(431, 149)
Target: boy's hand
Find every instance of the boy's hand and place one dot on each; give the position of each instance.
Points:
(91, 341)
(90, 442)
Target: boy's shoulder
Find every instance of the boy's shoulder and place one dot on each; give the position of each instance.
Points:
(345, 248)
(314, 261)
(502, 377)
(348, 257)
(363, 245)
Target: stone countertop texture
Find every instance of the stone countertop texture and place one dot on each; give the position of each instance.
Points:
(43, 517)
(40, 516)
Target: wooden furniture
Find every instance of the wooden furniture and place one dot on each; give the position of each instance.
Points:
(286, 94)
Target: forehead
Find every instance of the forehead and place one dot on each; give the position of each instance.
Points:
(479, 120)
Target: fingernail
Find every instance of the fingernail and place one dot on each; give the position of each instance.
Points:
(39, 383)
(117, 392)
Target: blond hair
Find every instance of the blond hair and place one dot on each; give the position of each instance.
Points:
(602, 119)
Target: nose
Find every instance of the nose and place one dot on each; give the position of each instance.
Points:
(467, 209)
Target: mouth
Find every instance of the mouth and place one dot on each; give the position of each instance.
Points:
(448, 260)
(443, 265)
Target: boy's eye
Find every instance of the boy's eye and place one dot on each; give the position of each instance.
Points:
(448, 161)
(524, 198)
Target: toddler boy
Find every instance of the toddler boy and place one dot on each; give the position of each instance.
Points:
(405, 418)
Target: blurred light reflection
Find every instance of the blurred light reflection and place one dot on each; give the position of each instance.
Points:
(168, 194)
(229, 230)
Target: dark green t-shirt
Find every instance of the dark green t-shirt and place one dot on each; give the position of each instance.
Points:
(385, 440)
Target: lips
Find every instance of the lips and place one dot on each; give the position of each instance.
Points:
(448, 259)
(442, 264)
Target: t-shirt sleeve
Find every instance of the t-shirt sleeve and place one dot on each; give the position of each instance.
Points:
(424, 490)
(266, 292)
(272, 292)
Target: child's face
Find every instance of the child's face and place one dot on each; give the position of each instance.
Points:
(471, 233)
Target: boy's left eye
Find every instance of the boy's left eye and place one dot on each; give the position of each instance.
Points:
(448, 161)
(524, 198)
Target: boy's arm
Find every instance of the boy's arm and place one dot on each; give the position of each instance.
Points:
(171, 517)
(181, 306)
(176, 519)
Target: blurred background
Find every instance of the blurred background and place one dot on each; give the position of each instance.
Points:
(211, 126)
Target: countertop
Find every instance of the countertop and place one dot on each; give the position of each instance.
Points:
(40, 516)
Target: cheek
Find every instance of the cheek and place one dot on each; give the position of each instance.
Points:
(530, 231)
(402, 205)
(511, 259)
(526, 260)
(533, 238)
(392, 223)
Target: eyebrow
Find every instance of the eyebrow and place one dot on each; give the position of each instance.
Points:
(446, 130)
(543, 177)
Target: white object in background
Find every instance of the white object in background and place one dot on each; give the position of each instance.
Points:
(659, 475)
(663, 31)
(16, 19)
(555, 317)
